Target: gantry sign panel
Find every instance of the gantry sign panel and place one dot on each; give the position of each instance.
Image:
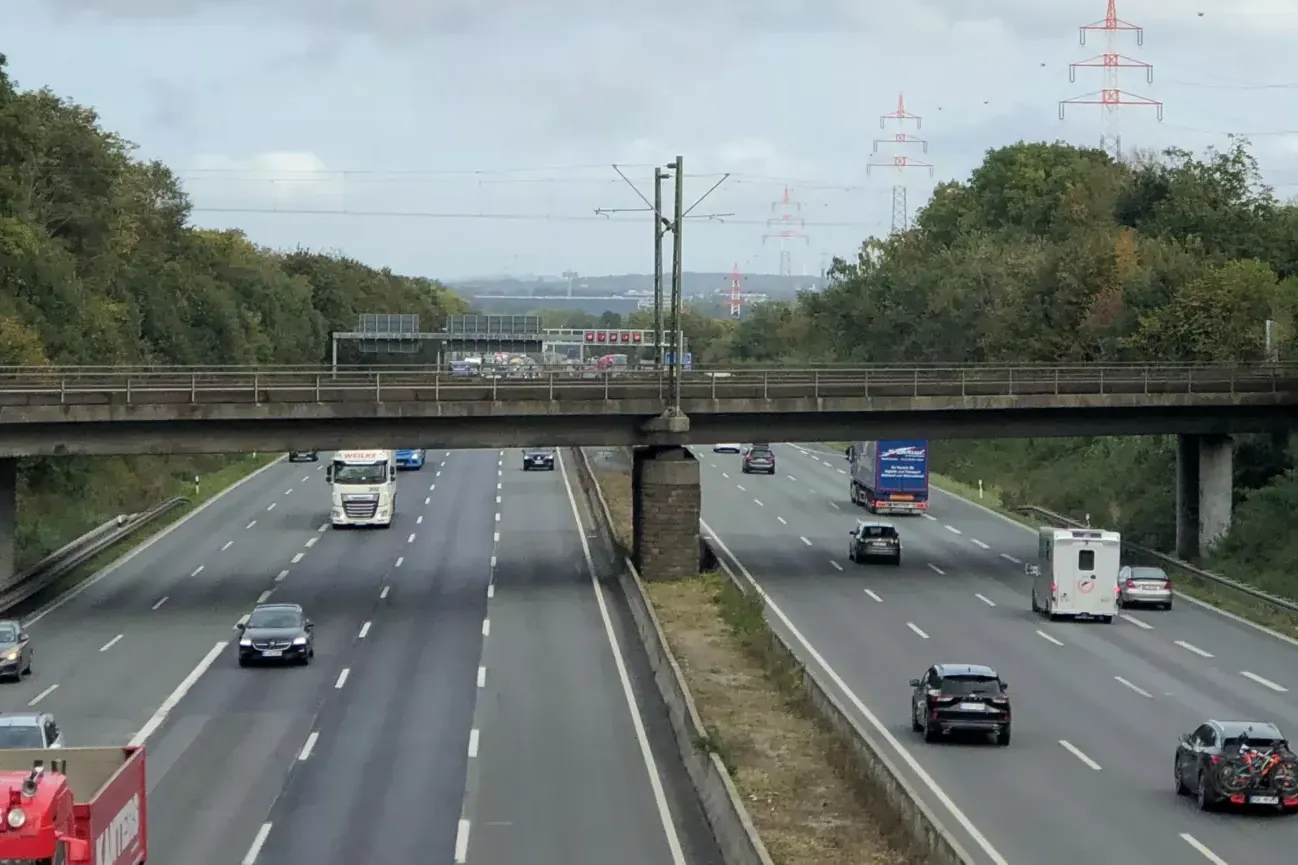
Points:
(494, 328)
(394, 334)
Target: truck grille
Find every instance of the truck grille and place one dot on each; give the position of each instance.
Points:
(360, 510)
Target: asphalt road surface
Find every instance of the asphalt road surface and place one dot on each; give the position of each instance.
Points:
(365, 754)
(1098, 708)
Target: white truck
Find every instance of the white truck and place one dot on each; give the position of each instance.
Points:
(1076, 574)
(363, 488)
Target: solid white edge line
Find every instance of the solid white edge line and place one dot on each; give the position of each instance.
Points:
(250, 858)
(173, 699)
(1077, 752)
(1202, 849)
(911, 763)
(646, 752)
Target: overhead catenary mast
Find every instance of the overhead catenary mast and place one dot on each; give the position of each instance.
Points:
(1111, 98)
(899, 161)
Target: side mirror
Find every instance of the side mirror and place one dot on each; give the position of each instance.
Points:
(310, 625)
(914, 683)
(1005, 686)
(329, 475)
(76, 849)
(1184, 739)
(1031, 570)
(24, 637)
(239, 626)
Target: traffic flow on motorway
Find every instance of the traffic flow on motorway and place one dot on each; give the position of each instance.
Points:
(1110, 721)
(453, 688)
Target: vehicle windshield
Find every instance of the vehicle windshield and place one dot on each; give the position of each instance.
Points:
(21, 737)
(878, 532)
(368, 473)
(970, 685)
(1148, 574)
(274, 619)
(8, 634)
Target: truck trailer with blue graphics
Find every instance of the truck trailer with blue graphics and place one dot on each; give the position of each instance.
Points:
(410, 459)
(890, 476)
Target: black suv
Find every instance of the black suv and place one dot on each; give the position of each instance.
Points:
(874, 540)
(538, 458)
(960, 698)
(276, 632)
(1238, 763)
(759, 458)
(303, 456)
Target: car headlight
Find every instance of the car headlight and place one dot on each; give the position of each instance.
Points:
(11, 656)
(299, 641)
(245, 643)
(16, 818)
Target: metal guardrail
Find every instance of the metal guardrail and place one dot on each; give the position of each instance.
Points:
(108, 386)
(1274, 602)
(67, 558)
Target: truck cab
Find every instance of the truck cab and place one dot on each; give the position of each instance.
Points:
(1076, 575)
(363, 487)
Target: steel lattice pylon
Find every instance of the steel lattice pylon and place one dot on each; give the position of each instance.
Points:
(899, 162)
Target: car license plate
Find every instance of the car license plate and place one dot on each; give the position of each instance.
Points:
(971, 707)
(1264, 800)
(273, 653)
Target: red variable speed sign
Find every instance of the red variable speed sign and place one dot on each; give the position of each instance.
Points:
(590, 336)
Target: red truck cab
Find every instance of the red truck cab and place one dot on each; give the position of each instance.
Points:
(79, 806)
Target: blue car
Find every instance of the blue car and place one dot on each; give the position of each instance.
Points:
(412, 460)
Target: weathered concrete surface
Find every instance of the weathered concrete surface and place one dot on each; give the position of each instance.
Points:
(8, 518)
(666, 503)
(1216, 490)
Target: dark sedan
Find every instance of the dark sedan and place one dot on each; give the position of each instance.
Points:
(279, 633)
(960, 698)
(538, 458)
(15, 650)
(303, 456)
(1237, 763)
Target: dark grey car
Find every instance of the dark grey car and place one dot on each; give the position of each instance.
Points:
(303, 456)
(15, 650)
(538, 458)
(279, 633)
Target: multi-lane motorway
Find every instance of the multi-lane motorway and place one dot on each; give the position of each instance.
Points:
(1098, 708)
(474, 696)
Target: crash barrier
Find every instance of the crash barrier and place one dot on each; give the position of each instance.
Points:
(1134, 554)
(69, 557)
(731, 825)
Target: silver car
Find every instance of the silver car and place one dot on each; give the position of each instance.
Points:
(1144, 587)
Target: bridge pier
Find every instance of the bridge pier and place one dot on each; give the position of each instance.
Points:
(666, 503)
(8, 517)
(1205, 467)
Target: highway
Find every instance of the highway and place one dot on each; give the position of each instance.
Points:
(465, 703)
(1098, 708)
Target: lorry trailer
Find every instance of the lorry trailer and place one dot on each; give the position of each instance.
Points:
(890, 476)
(81, 806)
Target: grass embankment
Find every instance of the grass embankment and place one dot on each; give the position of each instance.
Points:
(123, 492)
(788, 769)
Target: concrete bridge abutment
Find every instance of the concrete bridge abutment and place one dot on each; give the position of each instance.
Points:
(1205, 468)
(666, 503)
(8, 518)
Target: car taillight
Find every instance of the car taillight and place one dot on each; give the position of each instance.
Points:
(1167, 585)
(1054, 588)
(1216, 758)
(1131, 584)
(1000, 701)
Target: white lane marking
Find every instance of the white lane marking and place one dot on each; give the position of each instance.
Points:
(242, 620)
(42, 695)
(486, 627)
(740, 487)
(288, 492)
(979, 543)
(261, 599)
(198, 570)
(365, 629)
(342, 678)
(915, 628)
(432, 487)
(306, 478)
(411, 539)
(842, 471)
(1264, 682)
(493, 562)
(1007, 557)
(836, 565)
(500, 485)
(1203, 851)
(783, 522)
(482, 677)
(1076, 752)
(986, 600)
(497, 502)
(936, 569)
(310, 542)
(251, 524)
(309, 746)
(758, 502)
(1137, 622)
(951, 529)
(792, 478)
(279, 578)
(442, 464)
(1190, 647)
(637, 721)
(1139, 690)
(491, 590)
(835, 506)
(324, 527)
(419, 519)
(495, 537)
(296, 558)
(439, 474)
(473, 743)
(878, 600)
(113, 642)
(427, 500)
(161, 601)
(929, 517)
(271, 506)
(726, 476)
(461, 842)
(804, 540)
(1043, 635)
(497, 516)
(384, 592)
(400, 559)
(155, 721)
(250, 858)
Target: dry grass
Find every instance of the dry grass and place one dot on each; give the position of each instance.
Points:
(784, 764)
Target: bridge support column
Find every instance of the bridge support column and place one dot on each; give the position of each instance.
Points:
(8, 517)
(666, 502)
(1204, 493)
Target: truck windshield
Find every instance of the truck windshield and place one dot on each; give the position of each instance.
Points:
(21, 737)
(370, 473)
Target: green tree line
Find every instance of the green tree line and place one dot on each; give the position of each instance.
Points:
(99, 265)
(1053, 253)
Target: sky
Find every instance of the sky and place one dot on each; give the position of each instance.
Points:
(460, 138)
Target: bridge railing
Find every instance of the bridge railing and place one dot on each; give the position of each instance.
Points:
(94, 385)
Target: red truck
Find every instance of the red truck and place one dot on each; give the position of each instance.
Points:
(80, 806)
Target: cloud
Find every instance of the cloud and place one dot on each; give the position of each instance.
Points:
(274, 180)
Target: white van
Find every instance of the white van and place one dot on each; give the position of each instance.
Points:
(1076, 574)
